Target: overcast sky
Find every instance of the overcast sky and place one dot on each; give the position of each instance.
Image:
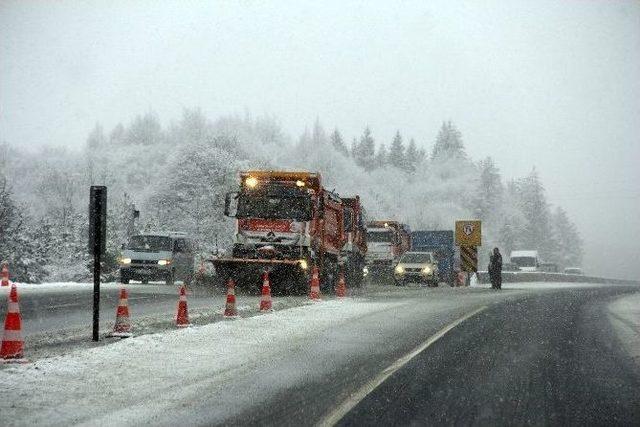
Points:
(555, 84)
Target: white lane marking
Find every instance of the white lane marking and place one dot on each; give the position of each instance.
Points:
(336, 415)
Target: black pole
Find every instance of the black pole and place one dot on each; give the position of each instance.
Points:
(96, 295)
(97, 245)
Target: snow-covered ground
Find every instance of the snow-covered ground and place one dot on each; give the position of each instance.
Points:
(624, 314)
(131, 381)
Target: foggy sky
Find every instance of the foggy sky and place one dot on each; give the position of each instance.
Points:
(555, 84)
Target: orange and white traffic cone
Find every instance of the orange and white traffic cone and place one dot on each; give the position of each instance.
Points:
(12, 344)
(230, 310)
(182, 317)
(265, 299)
(314, 294)
(341, 290)
(122, 327)
(5, 274)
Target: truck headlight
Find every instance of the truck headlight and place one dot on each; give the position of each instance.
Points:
(303, 264)
(251, 182)
(125, 260)
(365, 271)
(399, 269)
(426, 270)
(164, 261)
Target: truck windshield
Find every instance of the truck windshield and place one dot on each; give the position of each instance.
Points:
(149, 243)
(379, 236)
(275, 207)
(524, 261)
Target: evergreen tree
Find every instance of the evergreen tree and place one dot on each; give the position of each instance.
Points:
(366, 150)
(534, 207)
(396, 152)
(570, 244)
(412, 157)
(488, 195)
(338, 143)
(382, 156)
(19, 239)
(448, 143)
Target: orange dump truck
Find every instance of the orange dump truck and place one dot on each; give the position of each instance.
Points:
(286, 223)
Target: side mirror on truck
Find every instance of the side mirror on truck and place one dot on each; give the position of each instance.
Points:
(227, 203)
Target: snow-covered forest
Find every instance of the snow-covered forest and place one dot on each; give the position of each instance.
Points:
(177, 175)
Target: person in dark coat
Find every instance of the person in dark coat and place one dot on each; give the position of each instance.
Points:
(495, 269)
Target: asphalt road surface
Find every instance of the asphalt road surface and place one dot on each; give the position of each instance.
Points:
(548, 359)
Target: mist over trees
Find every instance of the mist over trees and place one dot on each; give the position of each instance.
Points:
(177, 175)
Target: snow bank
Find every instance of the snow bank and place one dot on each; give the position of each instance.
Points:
(131, 380)
(624, 315)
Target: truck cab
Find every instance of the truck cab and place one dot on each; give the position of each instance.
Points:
(527, 260)
(285, 222)
(386, 242)
(167, 256)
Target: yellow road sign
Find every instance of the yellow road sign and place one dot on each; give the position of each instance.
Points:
(469, 233)
(469, 258)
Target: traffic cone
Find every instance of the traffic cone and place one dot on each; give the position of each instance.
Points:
(341, 290)
(5, 274)
(230, 310)
(122, 327)
(182, 317)
(265, 300)
(11, 349)
(314, 294)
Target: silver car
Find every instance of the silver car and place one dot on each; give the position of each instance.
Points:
(417, 267)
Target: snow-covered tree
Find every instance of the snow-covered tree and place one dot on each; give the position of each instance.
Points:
(144, 130)
(412, 157)
(18, 239)
(365, 151)
(448, 143)
(570, 244)
(96, 138)
(338, 143)
(487, 200)
(382, 156)
(396, 152)
(533, 204)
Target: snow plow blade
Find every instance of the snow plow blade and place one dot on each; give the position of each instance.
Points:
(287, 276)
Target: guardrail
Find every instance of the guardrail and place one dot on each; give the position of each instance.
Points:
(539, 276)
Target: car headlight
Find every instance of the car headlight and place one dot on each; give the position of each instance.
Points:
(365, 271)
(426, 270)
(303, 264)
(164, 261)
(399, 269)
(125, 260)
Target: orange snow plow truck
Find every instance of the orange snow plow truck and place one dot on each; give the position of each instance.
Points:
(286, 223)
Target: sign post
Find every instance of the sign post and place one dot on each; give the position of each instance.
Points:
(97, 245)
(469, 237)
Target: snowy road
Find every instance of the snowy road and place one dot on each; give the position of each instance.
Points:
(525, 349)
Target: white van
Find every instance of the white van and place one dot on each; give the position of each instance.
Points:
(525, 260)
(167, 256)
